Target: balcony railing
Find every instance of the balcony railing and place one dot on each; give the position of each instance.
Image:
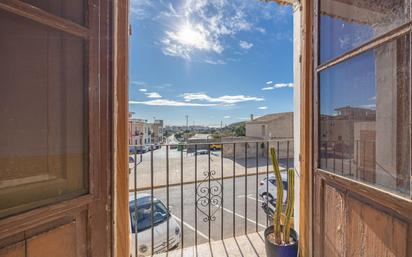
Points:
(189, 194)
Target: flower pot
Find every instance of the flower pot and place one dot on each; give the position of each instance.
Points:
(274, 250)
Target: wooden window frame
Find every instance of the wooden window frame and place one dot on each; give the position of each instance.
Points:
(369, 194)
(121, 238)
(97, 34)
(306, 132)
(50, 20)
(402, 30)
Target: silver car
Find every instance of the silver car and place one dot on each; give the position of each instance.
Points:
(161, 216)
(268, 192)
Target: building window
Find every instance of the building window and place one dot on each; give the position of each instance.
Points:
(364, 98)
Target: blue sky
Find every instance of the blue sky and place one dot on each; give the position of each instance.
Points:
(214, 60)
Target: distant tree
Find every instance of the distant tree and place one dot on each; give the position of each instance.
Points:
(240, 131)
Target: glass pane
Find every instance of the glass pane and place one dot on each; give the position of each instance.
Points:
(346, 24)
(43, 113)
(365, 117)
(73, 10)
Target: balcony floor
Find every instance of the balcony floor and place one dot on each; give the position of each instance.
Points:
(250, 245)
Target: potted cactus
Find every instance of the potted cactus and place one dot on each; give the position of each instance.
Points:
(281, 239)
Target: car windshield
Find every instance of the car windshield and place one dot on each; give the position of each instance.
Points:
(285, 183)
(144, 215)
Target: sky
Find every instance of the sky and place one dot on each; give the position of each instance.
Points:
(213, 60)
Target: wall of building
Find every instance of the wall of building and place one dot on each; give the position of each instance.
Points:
(281, 127)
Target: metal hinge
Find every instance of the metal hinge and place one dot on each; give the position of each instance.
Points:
(130, 29)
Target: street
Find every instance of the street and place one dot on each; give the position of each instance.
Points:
(193, 167)
(224, 217)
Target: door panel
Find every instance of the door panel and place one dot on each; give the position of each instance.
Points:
(60, 241)
(347, 224)
(14, 250)
(362, 128)
(55, 143)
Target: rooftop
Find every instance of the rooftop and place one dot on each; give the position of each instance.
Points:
(270, 117)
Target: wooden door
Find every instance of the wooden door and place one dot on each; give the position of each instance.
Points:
(362, 81)
(55, 128)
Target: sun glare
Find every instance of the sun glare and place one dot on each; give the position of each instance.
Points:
(193, 37)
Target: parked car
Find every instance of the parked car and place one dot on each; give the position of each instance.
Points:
(131, 163)
(215, 147)
(201, 152)
(268, 192)
(161, 216)
(138, 149)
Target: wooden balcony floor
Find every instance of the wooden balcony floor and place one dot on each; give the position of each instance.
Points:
(250, 245)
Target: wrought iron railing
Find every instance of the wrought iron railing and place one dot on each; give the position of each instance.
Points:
(206, 184)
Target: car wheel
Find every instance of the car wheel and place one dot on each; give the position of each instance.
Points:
(268, 196)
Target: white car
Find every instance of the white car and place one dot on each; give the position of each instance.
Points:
(161, 216)
(268, 191)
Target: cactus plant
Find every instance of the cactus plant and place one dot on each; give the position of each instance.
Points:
(289, 204)
(279, 197)
(277, 230)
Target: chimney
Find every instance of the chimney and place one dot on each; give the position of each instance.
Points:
(251, 116)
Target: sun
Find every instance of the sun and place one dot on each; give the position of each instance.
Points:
(192, 36)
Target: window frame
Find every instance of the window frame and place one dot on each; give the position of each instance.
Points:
(89, 32)
(399, 31)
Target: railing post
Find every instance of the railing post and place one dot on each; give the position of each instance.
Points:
(196, 196)
(246, 187)
(221, 180)
(256, 186)
(181, 195)
(267, 181)
(151, 198)
(209, 198)
(234, 190)
(135, 199)
(167, 196)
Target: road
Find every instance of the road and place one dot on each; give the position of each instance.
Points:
(225, 217)
(192, 166)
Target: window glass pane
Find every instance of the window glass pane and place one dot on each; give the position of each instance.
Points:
(73, 10)
(365, 117)
(43, 114)
(346, 24)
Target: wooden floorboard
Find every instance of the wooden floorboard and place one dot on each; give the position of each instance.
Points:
(250, 245)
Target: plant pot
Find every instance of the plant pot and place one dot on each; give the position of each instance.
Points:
(274, 250)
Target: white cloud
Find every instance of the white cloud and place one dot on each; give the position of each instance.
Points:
(278, 85)
(368, 106)
(269, 82)
(202, 25)
(263, 108)
(153, 95)
(165, 102)
(214, 62)
(227, 117)
(267, 88)
(143, 90)
(261, 30)
(245, 45)
(225, 100)
(141, 9)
